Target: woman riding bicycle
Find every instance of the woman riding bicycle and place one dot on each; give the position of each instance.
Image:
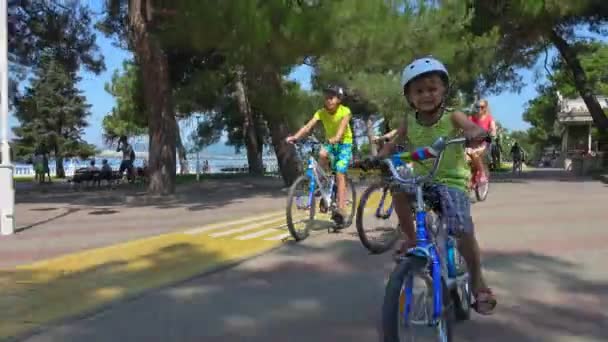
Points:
(425, 85)
(483, 119)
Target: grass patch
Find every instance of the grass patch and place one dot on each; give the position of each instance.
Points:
(507, 167)
(30, 179)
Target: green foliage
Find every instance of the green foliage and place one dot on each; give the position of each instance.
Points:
(368, 57)
(594, 58)
(542, 111)
(52, 113)
(528, 27)
(128, 117)
(42, 28)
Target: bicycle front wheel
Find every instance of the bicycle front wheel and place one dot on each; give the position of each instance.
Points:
(381, 206)
(301, 205)
(416, 328)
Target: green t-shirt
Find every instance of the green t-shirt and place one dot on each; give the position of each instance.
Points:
(331, 123)
(453, 170)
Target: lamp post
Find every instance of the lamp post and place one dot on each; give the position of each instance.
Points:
(198, 150)
(7, 189)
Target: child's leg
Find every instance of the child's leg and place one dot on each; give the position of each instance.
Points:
(324, 158)
(469, 249)
(403, 210)
(341, 161)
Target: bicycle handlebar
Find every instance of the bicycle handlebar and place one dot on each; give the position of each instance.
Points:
(434, 151)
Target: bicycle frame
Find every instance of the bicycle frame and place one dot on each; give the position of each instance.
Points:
(425, 247)
(397, 162)
(317, 178)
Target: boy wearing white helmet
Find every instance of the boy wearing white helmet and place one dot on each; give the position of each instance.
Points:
(425, 84)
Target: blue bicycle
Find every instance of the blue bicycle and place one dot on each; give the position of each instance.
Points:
(378, 238)
(312, 187)
(434, 265)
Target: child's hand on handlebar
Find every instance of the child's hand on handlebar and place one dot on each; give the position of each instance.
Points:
(476, 140)
(369, 163)
(291, 139)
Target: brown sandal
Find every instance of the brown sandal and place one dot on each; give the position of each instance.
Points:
(485, 301)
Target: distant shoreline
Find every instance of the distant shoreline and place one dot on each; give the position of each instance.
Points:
(217, 164)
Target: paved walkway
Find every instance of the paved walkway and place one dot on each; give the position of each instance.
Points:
(542, 235)
(62, 221)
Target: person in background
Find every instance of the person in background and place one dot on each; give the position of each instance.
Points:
(92, 166)
(37, 161)
(483, 119)
(46, 170)
(128, 156)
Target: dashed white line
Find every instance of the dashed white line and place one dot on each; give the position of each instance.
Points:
(256, 234)
(278, 237)
(246, 228)
(231, 223)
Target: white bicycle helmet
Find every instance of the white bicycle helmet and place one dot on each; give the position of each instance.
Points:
(423, 66)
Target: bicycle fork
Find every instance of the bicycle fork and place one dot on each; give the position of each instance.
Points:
(425, 250)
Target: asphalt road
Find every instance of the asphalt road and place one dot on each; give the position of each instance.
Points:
(544, 250)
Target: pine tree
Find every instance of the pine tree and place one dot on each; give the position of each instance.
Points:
(52, 114)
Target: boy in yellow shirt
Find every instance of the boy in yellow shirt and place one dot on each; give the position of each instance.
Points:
(335, 118)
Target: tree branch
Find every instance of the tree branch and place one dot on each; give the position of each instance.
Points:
(546, 60)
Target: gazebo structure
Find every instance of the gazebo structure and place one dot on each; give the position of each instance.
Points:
(575, 125)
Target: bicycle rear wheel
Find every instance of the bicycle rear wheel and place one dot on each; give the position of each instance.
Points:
(394, 329)
(299, 194)
(383, 210)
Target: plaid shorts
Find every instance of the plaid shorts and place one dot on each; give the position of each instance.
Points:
(455, 208)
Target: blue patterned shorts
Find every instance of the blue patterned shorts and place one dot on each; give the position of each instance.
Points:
(340, 156)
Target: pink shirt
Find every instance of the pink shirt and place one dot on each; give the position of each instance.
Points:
(484, 122)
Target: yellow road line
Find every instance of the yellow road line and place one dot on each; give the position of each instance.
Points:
(45, 291)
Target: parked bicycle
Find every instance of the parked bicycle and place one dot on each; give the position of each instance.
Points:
(445, 293)
(312, 187)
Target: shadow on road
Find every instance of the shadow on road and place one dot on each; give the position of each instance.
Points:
(41, 222)
(195, 196)
(310, 293)
(31, 298)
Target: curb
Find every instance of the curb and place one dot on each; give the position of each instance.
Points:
(130, 298)
(601, 177)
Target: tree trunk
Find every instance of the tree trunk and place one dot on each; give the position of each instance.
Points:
(59, 170)
(182, 154)
(369, 124)
(580, 80)
(254, 147)
(162, 126)
(289, 165)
